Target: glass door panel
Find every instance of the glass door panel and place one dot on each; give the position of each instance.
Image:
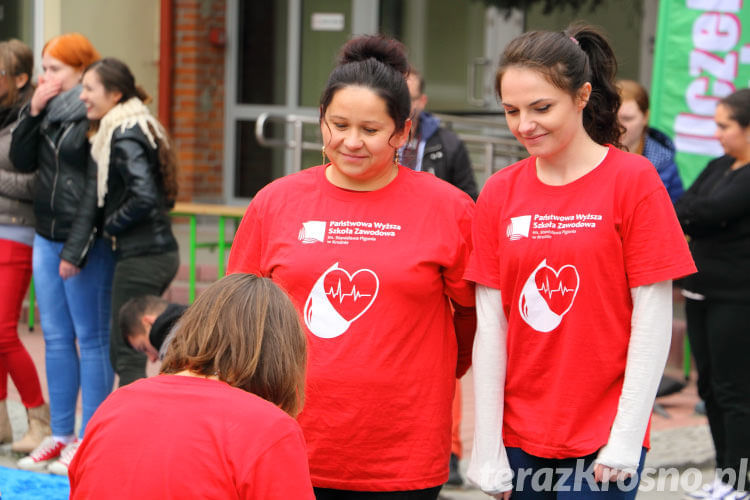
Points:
(325, 26)
(261, 52)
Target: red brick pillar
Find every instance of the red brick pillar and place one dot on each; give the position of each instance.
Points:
(197, 100)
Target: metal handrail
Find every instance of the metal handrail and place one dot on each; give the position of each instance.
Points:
(490, 143)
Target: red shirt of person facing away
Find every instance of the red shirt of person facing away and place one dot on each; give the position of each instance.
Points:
(218, 421)
(373, 254)
(574, 251)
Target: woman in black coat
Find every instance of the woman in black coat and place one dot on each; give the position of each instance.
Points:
(715, 214)
(135, 174)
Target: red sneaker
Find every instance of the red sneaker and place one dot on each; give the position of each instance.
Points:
(47, 451)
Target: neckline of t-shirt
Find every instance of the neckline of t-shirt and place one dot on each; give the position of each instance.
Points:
(579, 183)
(352, 195)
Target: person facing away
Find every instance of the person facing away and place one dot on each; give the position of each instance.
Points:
(373, 254)
(432, 148)
(574, 251)
(147, 324)
(72, 265)
(641, 139)
(715, 214)
(217, 422)
(135, 179)
(16, 238)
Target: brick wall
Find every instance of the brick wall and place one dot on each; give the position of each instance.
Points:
(197, 101)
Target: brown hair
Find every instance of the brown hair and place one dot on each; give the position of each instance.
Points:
(130, 314)
(569, 59)
(244, 330)
(73, 49)
(16, 59)
(738, 103)
(116, 76)
(631, 90)
(378, 63)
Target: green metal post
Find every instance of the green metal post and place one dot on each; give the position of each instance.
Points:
(222, 246)
(32, 304)
(686, 358)
(193, 237)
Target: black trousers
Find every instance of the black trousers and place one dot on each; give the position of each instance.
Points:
(330, 494)
(719, 334)
(134, 277)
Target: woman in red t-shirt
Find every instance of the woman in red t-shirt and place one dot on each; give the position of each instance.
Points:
(574, 251)
(217, 422)
(373, 254)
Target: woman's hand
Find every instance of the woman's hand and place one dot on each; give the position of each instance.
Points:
(46, 90)
(505, 495)
(604, 474)
(68, 270)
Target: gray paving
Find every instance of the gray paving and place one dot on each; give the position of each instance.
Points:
(680, 459)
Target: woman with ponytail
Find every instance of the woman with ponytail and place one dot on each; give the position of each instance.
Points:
(136, 184)
(574, 251)
(373, 273)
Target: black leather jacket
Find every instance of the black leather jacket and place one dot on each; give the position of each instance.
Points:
(60, 152)
(136, 211)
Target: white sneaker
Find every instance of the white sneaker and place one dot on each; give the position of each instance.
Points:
(47, 451)
(60, 467)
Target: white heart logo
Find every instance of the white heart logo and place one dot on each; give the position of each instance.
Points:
(548, 295)
(338, 299)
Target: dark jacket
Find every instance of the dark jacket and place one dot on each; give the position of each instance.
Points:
(59, 150)
(16, 188)
(715, 213)
(136, 211)
(445, 155)
(660, 150)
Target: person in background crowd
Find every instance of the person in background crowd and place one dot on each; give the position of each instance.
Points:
(16, 238)
(439, 151)
(715, 214)
(136, 183)
(72, 265)
(574, 251)
(218, 422)
(432, 148)
(373, 253)
(641, 139)
(147, 324)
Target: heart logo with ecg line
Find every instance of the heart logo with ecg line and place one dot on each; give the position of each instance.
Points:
(548, 295)
(338, 299)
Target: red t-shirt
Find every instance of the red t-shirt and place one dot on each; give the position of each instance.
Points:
(371, 273)
(565, 259)
(178, 437)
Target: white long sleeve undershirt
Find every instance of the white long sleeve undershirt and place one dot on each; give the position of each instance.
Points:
(651, 327)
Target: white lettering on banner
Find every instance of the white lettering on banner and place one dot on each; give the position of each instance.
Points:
(717, 30)
(699, 102)
(698, 145)
(715, 5)
(721, 69)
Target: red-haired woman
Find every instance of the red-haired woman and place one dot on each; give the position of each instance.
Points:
(72, 266)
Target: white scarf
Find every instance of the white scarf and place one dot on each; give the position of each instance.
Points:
(124, 115)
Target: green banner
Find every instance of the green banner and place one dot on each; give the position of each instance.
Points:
(702, 54)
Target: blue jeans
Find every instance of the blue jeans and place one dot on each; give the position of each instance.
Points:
(76, 309)
(565, 478)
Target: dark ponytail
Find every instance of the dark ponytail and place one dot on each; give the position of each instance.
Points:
(378, 63)
(569, 59)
